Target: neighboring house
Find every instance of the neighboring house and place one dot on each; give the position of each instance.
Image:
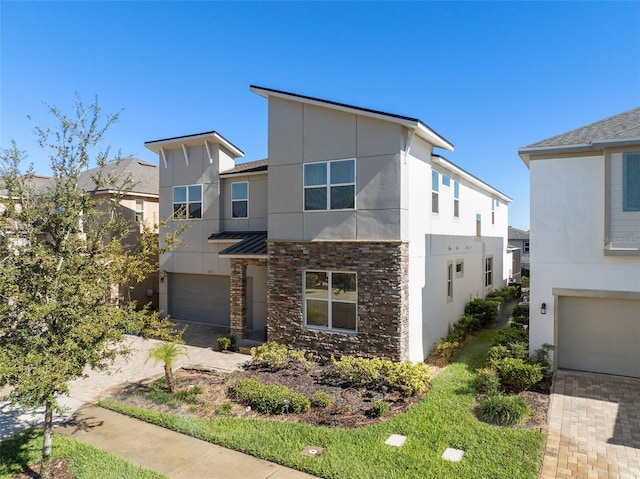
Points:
(520, 239)
(358, 238)
(585, 224)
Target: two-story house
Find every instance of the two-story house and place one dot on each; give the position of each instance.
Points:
(353, 237)
(520, 239)
(585, 225)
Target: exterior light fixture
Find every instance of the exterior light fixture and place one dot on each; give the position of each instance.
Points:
(543, 308)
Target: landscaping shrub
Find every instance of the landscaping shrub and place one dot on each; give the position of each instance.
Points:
(495, 296)
(487, 381)
(276, 356)
(378, 409)
(509, 292)
(445, 349)
(510, 335)
(518, 373)
(189, 395)
(521, 314)
(269, 399)
(466, 325)
(406, 377)
(224, 409)
(503, 410)
(483, 310)
(321, 399)
(225, 344)
(542, 356)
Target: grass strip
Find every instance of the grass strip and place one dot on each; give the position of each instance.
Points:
(444, 418)
(85, 462)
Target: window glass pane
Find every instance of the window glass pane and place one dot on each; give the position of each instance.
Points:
(239, 191)
(316, 284)
(342, 171)
(434, 202)
(434, 180)
(456, 190)
(195, 210)
(179, 210)
(315, 199)
(456, 208)
(631, 182)
(342, 197)
(343, 286)
(343, 316)
(315, 174)
(317, 313)
(239, 209)
(195, 193)
(446, 181)
(139, 205)
(179, 194)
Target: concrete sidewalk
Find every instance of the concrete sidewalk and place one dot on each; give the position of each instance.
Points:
(173, 454)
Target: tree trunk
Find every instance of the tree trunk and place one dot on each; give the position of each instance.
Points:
(171, 383)
(47, 436)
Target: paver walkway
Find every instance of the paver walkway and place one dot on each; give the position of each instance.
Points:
(594, 427)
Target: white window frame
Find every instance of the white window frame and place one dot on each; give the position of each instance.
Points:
(138, 214)
(328, 185)
(459, 263)
(329, 300)
(187, 202)
(488, 272)
(240, 200)
(456, 199)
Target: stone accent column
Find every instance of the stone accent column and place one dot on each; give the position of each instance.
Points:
(238, 298)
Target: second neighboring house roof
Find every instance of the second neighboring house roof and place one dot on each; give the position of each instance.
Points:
(248, 242)
(248, 167)
(420, 128)
(144, 176)
(517, 234)
(618, 130)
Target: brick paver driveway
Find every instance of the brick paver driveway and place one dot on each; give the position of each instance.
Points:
(594, 427)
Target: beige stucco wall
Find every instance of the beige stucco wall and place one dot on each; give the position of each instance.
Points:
(257, 211)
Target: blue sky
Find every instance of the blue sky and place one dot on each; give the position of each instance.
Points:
(489, 77)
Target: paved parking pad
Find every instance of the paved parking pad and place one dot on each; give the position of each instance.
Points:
(594, 427)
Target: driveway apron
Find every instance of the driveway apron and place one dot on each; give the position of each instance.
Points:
(594, 427)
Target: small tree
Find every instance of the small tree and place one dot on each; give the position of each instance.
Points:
(166, 352)
(61, 254)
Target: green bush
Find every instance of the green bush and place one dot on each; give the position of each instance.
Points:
(495, 296)
(378, 409)
(276, 356)
(487, 380)
(483, 310)
(509, 292)
(503, 410)
(406, 377)
(542, 356)
(269, 399)
(224, 409)
(226, 344)
(445, 349)
(518, 373)
(321, 399)
(466, 325)
(511, 335)
(520, 310)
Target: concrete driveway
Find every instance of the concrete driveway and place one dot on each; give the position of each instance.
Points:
(96, 385)
(594, 427)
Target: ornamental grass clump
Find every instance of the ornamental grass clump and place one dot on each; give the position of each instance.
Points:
(503, 410)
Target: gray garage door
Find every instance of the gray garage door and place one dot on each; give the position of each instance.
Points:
(198, 297)
(599, 335)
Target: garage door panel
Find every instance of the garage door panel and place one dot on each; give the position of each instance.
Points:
(200, 298)
(599, 335)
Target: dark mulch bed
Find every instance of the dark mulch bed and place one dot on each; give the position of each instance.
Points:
(59, 468)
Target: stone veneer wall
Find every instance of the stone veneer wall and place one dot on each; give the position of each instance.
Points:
(383, 291)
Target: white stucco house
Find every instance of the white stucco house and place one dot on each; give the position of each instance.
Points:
(354, 236)
(585, 225)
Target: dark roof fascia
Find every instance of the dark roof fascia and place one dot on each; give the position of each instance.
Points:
(353, 107)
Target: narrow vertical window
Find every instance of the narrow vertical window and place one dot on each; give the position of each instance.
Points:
(493, 211)
(434, 191)
(456, 199)
(478, 225)
(139, 213)
(631, 182)
(488, 272)
(240, 199)
(449, 282)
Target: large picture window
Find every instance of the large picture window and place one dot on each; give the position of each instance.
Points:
(331, 300)
(240, 199)
(631, 182)
(330, 185)
(187, 202)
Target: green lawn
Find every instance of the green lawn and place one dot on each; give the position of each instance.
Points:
(444, 418)
(85, 462)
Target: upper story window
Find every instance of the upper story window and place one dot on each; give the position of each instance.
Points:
(446, 181)
(456, 199)
(435, 207)
(631, 181)
(138, 215)
(493, 211)
(330, 185)
(478, 225)
(526, 246)
(187, 202)
(488, 271)
(331, 300)
(240, 199)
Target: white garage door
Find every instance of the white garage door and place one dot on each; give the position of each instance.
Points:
(198, 297)
(599, 335)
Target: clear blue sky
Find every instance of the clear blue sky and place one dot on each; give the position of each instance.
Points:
(489, 77)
